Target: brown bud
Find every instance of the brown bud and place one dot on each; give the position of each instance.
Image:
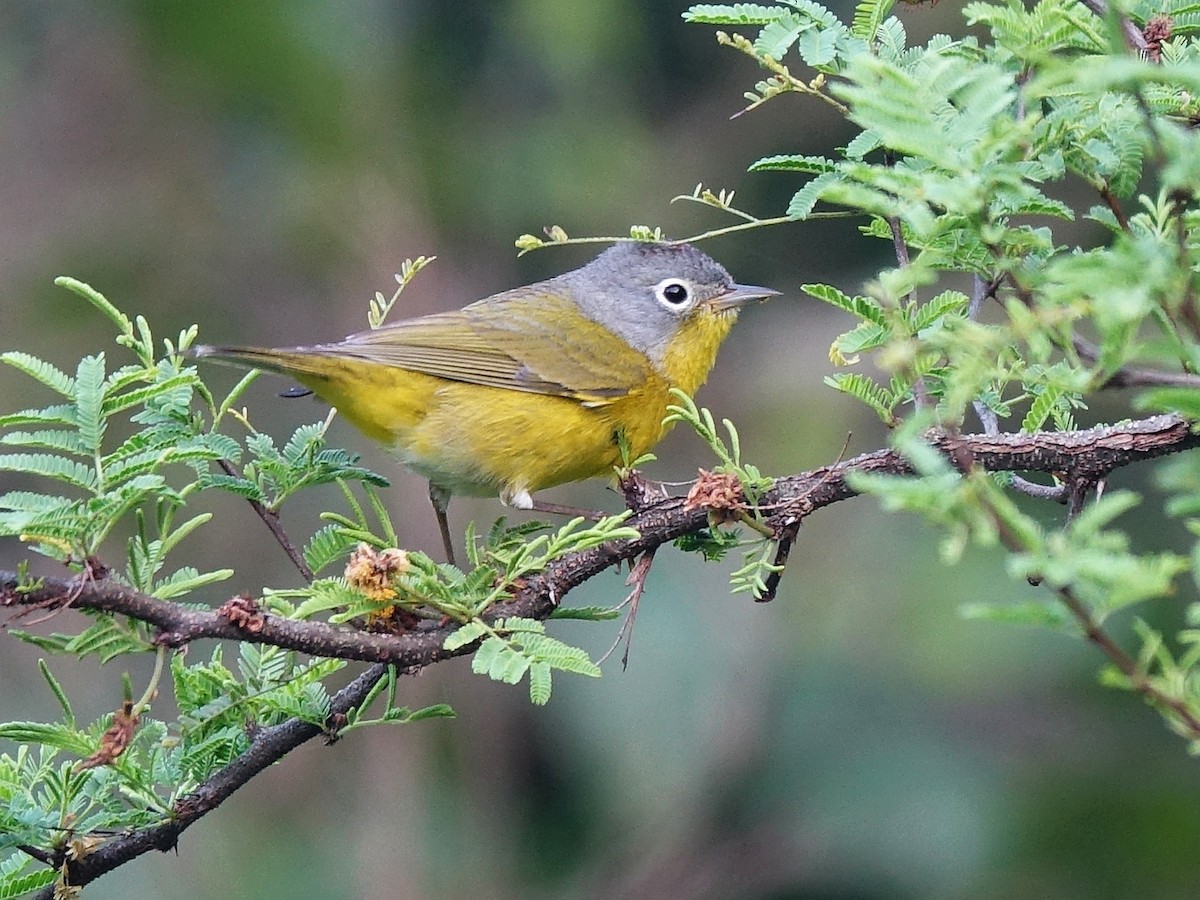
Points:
(114, 740)
(243, 612)
(1158, 29)
(720, 494)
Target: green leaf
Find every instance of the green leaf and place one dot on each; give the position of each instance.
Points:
(29, 501)
(804, 200)
(539, 683)
(49, 466)
(436, 711)
(779, 34)
(186, 580)
(468, 633)
(41, 371)
(13, 886)
(62, 414)
(66, 441)
(867, 391)
(732, 14)
(325, 594)
(89, 397)
(109, 637)
(867, 336)
(1185, 401)
(53, 734)
(1031, 612)
(585, 613)
(862, 307)
(328, 545)
(114, 403)
(59, 694)
(510, 667)
(488, 654)
(98, 300)
(934, 310)
(818, 47)
(1039, 411)
(233, 484)
(868, 15)
(813, 165)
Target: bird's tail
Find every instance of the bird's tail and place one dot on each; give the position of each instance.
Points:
(294, 361)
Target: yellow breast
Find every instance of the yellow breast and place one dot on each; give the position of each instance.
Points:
(474, 439)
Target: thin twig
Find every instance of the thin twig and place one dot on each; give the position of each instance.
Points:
(1132, 34)
(898, 243)
(1114, 205)
(268, 747)
(1056, 493)
(1132, 377)
(271, 520)
(637, 580)
(1126, 663)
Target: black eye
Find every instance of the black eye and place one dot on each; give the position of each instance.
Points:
(674, 293)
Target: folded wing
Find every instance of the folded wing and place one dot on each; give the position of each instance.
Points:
(531, 340)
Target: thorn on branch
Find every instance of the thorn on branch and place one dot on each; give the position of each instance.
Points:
(637, 580)
(787, 539)
(639, 492)
(1077, 494)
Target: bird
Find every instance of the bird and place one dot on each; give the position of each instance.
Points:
(532, 387)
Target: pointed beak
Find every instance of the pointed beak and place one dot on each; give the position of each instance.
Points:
(740, 295)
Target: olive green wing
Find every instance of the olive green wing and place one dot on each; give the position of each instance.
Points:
(526, 340)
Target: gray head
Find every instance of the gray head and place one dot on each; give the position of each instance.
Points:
(644, 292)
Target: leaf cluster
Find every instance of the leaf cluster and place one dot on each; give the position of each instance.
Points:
(1038, 185)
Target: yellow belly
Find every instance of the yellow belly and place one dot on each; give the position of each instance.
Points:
(473, 439)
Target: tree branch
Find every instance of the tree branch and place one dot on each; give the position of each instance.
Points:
(1085, 456)
(268, 746)
(1130, 377)
(1127, 665)
(271, 520)
(1081, 456)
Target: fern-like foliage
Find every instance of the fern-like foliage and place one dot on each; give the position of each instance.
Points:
(512, 648)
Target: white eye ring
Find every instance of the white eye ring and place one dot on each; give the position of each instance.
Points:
(674, 293)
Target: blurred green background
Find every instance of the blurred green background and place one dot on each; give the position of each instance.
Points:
(261, 169)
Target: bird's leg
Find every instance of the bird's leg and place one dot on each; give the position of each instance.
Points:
(440, 498)
(522, 500)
